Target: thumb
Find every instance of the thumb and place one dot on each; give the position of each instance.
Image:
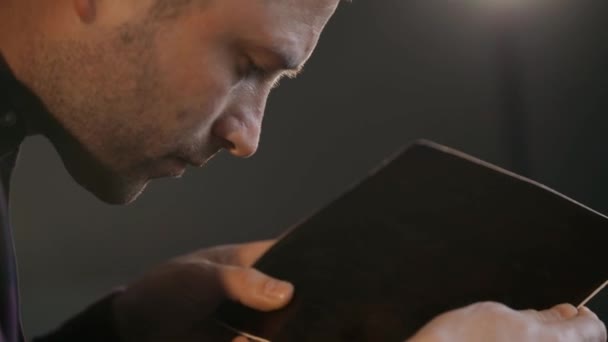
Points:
(585, 326)
(558, 313)
(254, 289)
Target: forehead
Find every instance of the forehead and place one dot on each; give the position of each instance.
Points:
(292, 25)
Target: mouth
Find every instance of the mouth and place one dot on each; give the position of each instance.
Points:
(176, 167)
(198, 161)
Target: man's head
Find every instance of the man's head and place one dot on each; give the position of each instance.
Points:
(137, 89)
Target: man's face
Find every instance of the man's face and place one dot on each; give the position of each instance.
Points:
(148, 87)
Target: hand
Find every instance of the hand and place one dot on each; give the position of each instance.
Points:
(174, 301)
(485, 322)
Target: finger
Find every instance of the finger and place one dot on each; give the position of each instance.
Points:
(248, 254)
(240, 339)
(587, 312)
(244, 255)
(591, 316)
(255, 289)
(583, 327)
(558, 313)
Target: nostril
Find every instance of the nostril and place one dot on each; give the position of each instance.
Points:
(239, 136)
(226, 144)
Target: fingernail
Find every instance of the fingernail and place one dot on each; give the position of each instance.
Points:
(278, 290)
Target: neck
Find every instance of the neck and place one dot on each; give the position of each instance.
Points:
(24, 102)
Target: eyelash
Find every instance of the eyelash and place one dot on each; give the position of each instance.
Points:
(251, 69)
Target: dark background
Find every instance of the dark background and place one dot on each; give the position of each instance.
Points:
(521, 83)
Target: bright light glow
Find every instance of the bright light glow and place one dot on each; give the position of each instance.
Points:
(509, 6)
(506, 4)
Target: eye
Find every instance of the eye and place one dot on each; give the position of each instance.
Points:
(247, 68)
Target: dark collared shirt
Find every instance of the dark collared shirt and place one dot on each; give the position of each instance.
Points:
(96, 323)
(12, 133)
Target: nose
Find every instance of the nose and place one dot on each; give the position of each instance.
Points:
(239, 133)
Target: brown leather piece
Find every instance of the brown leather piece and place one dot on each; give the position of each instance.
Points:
(431, 231)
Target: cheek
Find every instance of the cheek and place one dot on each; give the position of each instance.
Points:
(191, 59)
(198, 101)
(196, 92)
(196, 76)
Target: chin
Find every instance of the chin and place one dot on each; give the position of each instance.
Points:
(109, 187)
(112, 189)
(100, 179)
(117, 195)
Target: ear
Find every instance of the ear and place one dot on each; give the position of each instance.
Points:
(86, 10)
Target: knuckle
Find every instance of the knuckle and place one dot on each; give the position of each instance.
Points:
(245, 277)
(492, 308)
(235, 282)
(217, 254)
(193, 271)
(531, 329)
(565, 311)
